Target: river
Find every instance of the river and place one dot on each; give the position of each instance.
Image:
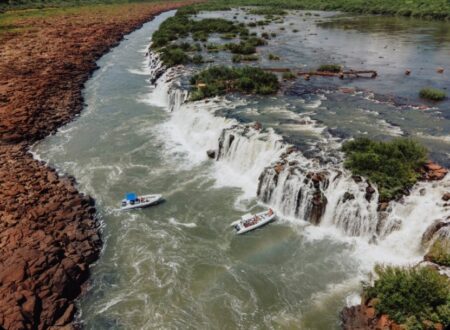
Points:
(179, 265)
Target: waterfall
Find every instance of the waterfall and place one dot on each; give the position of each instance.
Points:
(318, 190)
(166, 88)
(242, 152)
(321, 194)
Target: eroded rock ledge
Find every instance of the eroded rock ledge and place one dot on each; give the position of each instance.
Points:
(48, 230)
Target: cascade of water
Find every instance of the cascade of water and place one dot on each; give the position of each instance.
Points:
(321, 194)
(316, 190)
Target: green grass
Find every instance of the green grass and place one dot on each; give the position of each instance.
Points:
(329, 68)
(219, 80)
(411, 295)
(392, 166)
(432, 94)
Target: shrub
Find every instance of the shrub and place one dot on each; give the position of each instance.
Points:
(211, 47)
(289, 75)
(274, 57)
(390, 165)
(245, 47)
(329, 68)
(197, 59)
(270, 11)
(433, 94)
(241, 48)
(200, 36)
(228, 36)
(174, 56)
(219, 80)
(239, 58)
(411, 295)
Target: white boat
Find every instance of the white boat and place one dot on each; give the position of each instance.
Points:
(133, 201)
(250, 222)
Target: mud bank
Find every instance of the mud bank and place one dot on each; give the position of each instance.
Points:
(48, 231)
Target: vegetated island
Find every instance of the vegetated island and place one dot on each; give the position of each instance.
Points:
(402, 297)
(48, 230)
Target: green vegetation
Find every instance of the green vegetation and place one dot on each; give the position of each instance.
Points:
(390, 165)
(329, 68)
(429, 9)
(268, 11)
(244, 58)
(274, 57)
(411, 296)
(228, 36)
(174, 56)
(432, 94)
(219, 80)
(439, 252)
(245, 47)
(289, 75)
(180, 25)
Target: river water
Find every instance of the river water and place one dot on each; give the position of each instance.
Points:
(179, 265)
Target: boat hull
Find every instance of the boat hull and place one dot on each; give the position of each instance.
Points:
(242, 229)
(149, 200)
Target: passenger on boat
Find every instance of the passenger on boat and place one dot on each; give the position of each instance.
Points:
(270, 212)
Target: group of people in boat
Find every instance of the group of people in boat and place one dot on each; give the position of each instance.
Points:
(255, 219)
(134, 201)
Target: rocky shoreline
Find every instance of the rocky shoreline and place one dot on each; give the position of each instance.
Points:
(49, 234)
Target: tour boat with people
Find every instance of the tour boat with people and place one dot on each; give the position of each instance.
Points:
(133, 201)
(250, 222)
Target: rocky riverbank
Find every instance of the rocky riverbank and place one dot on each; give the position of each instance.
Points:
(48, 231)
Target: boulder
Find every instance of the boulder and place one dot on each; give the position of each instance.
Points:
(211, 153)
(446, 197)
(369, 192)
(433, 172)
(347, 197)
(431, 231)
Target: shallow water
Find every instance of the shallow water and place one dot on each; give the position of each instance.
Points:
(179, 265)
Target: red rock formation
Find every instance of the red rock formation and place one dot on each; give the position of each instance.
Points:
(432, 171)
(48, 232)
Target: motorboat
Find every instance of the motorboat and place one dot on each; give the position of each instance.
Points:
(250, 222)
(133, 201)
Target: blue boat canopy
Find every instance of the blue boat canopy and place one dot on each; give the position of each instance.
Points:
(131, 196)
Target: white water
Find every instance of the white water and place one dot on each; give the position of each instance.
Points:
(243, 154)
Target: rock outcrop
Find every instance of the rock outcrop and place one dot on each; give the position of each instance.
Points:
(48, 230)
(433, 172)
(48, 238)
